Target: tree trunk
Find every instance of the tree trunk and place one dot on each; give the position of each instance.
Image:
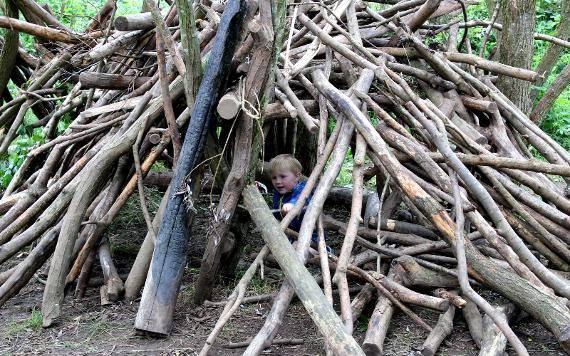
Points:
(553, 53)
(46, 33)
(516, 48)
(558, 86)
(443, 328)
(10, 49)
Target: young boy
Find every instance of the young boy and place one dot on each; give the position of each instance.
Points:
(288, 182)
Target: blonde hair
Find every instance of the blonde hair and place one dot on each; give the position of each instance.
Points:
(285, 162)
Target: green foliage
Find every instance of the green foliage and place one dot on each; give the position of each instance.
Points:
(344, 178)
(362, 323)
(476, 34)
(75, 15)
(34, 322)
(557, 122)
(13, 159)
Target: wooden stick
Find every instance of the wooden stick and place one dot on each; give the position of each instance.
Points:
(166, 99)
(46, 33)
(239, 345)
(305, 286)
(442, 329)
(113, 288)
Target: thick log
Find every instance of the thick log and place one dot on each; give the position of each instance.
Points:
(247, 144)
(308, 291)
(474, 321)
(84, 277)
(415, 20)
(411, 297)
(137, 275)
(45, 16)
(9, 51)
(46, 33)
(100, 21)
(156, 310)
(11, 200)
(361, 300)
(379, 323)
(442, 329)
(494, 341)
(378, 326)
(275, 111)
(113, 288)
(133, 22)
(105, 49)
(26, 269)
(229, 105)
(110, 81)
(160, 180)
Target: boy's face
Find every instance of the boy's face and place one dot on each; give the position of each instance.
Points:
(284, 181)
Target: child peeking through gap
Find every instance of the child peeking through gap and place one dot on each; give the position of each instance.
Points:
(288, 183)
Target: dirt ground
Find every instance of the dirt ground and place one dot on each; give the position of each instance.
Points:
(88, 328)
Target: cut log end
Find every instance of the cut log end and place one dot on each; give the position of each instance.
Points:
(229, 106)
(564, 339)
(121, 23)
(371, 349)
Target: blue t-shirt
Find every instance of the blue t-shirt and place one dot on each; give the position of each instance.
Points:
(291, 197)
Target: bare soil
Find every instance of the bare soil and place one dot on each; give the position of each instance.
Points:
(88, 328)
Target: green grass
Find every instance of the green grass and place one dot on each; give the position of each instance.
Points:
(259, 286)
(344, 178)
(34, 322)
(362, 323)
(131, 213)
(159, 167)
(98, 327)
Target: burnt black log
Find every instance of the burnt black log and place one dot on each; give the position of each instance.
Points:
(156, 310)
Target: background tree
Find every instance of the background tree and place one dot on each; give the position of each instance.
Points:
(552, 55)
(10, 48)
(516, 48)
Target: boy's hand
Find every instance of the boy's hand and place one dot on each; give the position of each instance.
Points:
(287, 208)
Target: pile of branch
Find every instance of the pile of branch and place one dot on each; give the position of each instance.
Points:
(460, 200)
